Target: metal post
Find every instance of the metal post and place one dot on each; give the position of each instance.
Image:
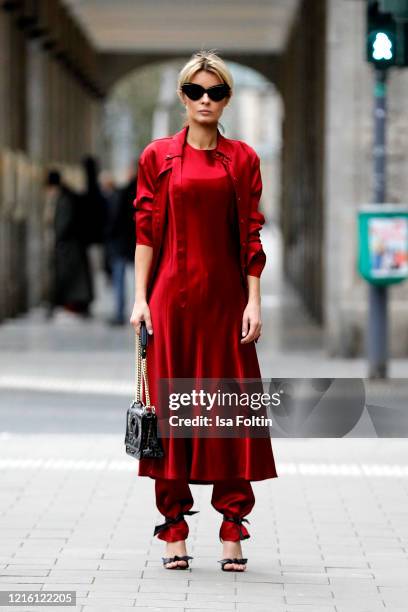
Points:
(377, 322)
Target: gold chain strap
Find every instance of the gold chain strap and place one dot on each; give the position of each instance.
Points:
(141, 374)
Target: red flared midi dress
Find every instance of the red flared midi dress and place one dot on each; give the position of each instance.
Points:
(201, 339)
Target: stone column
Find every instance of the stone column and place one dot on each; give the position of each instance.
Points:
(302, 203)
(36, 101)
(4, 139)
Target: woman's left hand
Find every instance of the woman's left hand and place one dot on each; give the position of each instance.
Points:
(251, 322)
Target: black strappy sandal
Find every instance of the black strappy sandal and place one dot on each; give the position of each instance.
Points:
(172, 521)
(177, 558)
(224, 562)
(238, 521)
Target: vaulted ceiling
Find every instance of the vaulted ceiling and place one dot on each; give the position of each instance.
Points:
(185, 25)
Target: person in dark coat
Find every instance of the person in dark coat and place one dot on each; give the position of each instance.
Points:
(72, 279)
(120, 241)
(127, 214)
(94, 214)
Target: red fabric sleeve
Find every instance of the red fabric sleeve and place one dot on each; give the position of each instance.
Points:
(256, 257)
(143, 203)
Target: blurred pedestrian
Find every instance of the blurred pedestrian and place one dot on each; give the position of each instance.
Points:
(127, 223)
(116, 242)
(93, 210)
(71, 286)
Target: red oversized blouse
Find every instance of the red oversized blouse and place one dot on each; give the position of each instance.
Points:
(159, 172)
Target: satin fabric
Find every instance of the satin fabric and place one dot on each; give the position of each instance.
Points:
(196, 304)
(234, 498)
(159, 173)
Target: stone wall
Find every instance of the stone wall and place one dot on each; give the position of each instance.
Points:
(49, 108)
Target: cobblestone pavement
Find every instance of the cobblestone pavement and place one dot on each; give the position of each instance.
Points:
(329, 534)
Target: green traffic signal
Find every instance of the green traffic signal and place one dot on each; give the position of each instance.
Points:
(382, 47)
(381, 37)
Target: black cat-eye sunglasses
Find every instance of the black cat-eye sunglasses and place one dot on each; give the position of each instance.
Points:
(215, 93)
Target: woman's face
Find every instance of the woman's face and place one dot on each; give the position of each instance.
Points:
(196, 108)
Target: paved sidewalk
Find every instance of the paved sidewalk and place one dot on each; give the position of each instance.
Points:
(330, 534)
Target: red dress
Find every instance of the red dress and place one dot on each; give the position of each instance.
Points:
(200, 259)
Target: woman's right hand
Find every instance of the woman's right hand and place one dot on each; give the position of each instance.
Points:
(141, 312)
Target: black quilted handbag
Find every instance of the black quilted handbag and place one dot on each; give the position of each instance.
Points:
(141, 439)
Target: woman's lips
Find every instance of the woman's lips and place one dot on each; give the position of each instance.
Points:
(205, 112)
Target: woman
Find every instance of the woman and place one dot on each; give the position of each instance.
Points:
(72, 286)
(197, 266)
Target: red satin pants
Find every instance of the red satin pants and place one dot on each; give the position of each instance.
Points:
(232, 498)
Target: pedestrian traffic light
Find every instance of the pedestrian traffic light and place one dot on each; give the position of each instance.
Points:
(387, 33)
(381, 36)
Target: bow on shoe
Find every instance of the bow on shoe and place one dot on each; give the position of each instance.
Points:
(176, 558)
(171, 521)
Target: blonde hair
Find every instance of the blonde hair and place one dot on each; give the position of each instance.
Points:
(203, 60)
